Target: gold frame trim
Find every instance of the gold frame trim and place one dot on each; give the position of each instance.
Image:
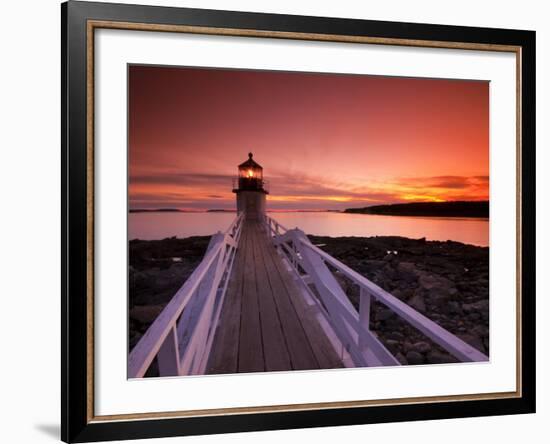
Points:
(92, 25)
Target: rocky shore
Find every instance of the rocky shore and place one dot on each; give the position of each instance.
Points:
(447, 281)
(157, 270)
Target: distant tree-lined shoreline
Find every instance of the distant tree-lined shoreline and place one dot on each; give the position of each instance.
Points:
(433, 209)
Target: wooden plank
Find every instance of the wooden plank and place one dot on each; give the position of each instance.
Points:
(322, 348)
(225, 348)
(251, 356)
(276, 355)
(299, 348)
(220, 298)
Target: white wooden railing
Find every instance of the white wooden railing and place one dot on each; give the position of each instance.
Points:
(311, 265)
(181, 336)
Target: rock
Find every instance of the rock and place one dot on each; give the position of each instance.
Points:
(402, 360)
(479, 306)
(435, 357)
(439, 289)
(407, 271)
(429, 281)
(480, 330)
(414, 358)
(392, 324)
(392, 345)
(397, 293)
(417, 302)
(454, 307)
(384, 314)
(407, 267)
(473, 317)
(390, 272)
(421, 347)
(474, 340)
(396, 335)
(374, 264)
(145, 314)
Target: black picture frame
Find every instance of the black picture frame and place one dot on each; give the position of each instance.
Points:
(77, 423)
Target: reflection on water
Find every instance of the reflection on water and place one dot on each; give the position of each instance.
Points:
(149, 226)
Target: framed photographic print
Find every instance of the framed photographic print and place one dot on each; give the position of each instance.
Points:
(276, 221)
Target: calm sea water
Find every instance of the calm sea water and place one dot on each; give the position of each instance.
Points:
(149, 226)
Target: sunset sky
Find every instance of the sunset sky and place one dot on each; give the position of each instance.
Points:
(325, 141)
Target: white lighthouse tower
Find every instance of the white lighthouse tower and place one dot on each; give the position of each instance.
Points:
(250, 191)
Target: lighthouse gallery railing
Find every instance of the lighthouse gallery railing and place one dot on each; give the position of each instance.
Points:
(310, 264)
(181, 336)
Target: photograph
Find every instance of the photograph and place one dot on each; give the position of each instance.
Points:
(282, 221)
(295, 220)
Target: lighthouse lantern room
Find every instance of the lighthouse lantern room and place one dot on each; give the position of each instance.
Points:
(250, 191)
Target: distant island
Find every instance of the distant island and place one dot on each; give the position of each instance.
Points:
(433, 209)
(157, 210)
(178, 210)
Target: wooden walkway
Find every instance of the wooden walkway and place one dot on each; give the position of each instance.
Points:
(265, 324)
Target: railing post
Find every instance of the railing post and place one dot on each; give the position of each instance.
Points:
(168, 356)
(364, 315)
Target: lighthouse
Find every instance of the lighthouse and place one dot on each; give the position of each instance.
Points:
(250, 189)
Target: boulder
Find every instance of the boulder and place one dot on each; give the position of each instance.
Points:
(395, 335)
(431, 282)
(145, 314)
(417, 302)
(414, 358)
(473, 316)
(384, 314)
(397, 293)
(435, 357)
(480, 330)
(438, 289)
(481, 307)
(392, 324)
(421, 347)
(474, 340)
(373, 264)
(392, 345)
(454, 307)
(402, 360)
(407, 271)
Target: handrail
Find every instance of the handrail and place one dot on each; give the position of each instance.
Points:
(179, 336)
(304, 256)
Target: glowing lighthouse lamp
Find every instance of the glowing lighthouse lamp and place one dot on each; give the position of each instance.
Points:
(251, 194)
